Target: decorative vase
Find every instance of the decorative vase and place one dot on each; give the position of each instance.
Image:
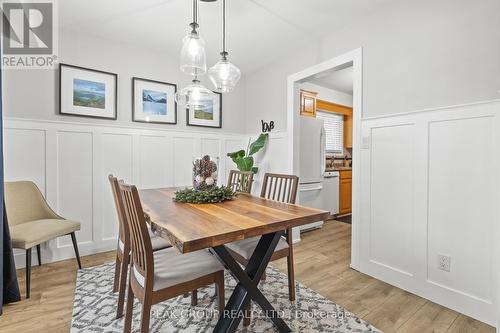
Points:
(205, 173)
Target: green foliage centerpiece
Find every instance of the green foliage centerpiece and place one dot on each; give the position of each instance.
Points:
(205, 189)
(213, 195)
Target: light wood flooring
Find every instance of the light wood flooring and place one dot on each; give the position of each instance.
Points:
(321, 262)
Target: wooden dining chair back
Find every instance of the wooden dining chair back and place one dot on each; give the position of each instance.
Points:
(280, 187)
(123, 232)
(240, 181)
(140, 241)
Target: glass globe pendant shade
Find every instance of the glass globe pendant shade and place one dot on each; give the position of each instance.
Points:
(224, 75)
(193, 57)
(195, 96)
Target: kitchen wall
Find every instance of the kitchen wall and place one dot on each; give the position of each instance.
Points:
(416, 55)
(127, 61)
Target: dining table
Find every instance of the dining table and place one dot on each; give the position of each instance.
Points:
(193, 227)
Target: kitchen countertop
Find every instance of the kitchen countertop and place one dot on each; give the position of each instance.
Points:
(339, 169)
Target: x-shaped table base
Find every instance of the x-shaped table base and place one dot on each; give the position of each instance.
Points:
(247, 287)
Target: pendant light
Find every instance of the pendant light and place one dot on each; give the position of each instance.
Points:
(224, 75)
(195, 96)
(193, 57)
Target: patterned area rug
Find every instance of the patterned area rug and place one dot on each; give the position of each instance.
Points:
(95, 306)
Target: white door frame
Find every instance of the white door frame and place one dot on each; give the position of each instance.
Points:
(355, 57)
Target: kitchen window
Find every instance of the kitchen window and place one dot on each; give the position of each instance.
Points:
(334, 129)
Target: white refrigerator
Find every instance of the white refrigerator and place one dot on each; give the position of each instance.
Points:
(311, 166)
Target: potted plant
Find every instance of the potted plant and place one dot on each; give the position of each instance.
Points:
(244, 159)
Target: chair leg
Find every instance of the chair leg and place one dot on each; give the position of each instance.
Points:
(39, 255)
(28, 272)
(146, 314)
(75, 246)
(221, 297)
(123, 284)
(118, 268)
(194, 297)
(127, 328)
(291, 277)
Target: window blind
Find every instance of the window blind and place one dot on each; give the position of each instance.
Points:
(334, 129)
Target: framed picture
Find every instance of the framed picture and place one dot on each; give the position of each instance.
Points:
(210, 116)
(87, 92)
(153, 101)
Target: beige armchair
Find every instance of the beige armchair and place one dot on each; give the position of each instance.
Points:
(32, 222)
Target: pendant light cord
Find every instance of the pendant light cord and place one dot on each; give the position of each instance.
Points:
(224, 52)
(194, 25)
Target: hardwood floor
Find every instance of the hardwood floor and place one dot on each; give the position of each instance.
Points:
(321, 262)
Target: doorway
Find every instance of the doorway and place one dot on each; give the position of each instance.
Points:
(295, 100)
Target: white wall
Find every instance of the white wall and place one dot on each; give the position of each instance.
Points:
(421, 196)
(34, 94)
(70, 163)
(329, 95)
(416, 55)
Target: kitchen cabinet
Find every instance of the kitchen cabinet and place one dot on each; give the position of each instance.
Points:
(345, 192)
(348, 131)
(308, 103)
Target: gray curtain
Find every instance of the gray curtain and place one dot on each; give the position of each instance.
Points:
(9, 288)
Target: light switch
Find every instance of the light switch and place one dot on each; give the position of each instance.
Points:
(365, 142)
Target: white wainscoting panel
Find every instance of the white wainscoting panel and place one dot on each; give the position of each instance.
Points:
(26, 149)
(461, 205)
(155, 164)
(70, 162)
(116, 159)
(430, 186)
(392, 198)
(75, 182)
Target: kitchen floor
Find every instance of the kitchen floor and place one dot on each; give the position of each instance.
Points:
(322, 263)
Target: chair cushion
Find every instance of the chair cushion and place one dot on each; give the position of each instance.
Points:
(29, 234)
(157, 242)
(173, 267)
(245, 247)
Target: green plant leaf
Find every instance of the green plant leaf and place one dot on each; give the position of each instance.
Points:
(258, 144)
(236, 154)
(244, 163)
(255, 169)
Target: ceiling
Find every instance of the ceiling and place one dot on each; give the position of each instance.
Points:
(340, 80)
(259, 31)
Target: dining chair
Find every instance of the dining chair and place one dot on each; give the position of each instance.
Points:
(240, 181)
(282, 188)
(123, 248)
(32, 222)
(160, 275)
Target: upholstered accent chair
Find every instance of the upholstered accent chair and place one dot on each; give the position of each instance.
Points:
(32, 222)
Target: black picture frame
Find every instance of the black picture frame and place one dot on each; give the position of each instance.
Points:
(115, 95)
(134, 118)
(219, 125)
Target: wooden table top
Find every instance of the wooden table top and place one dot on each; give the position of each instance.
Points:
(192, 227)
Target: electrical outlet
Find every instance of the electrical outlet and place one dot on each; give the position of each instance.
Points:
(444, 262)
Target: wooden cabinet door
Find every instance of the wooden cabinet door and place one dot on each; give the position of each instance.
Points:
(345, 192)
(348, 131)
(308, 103)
